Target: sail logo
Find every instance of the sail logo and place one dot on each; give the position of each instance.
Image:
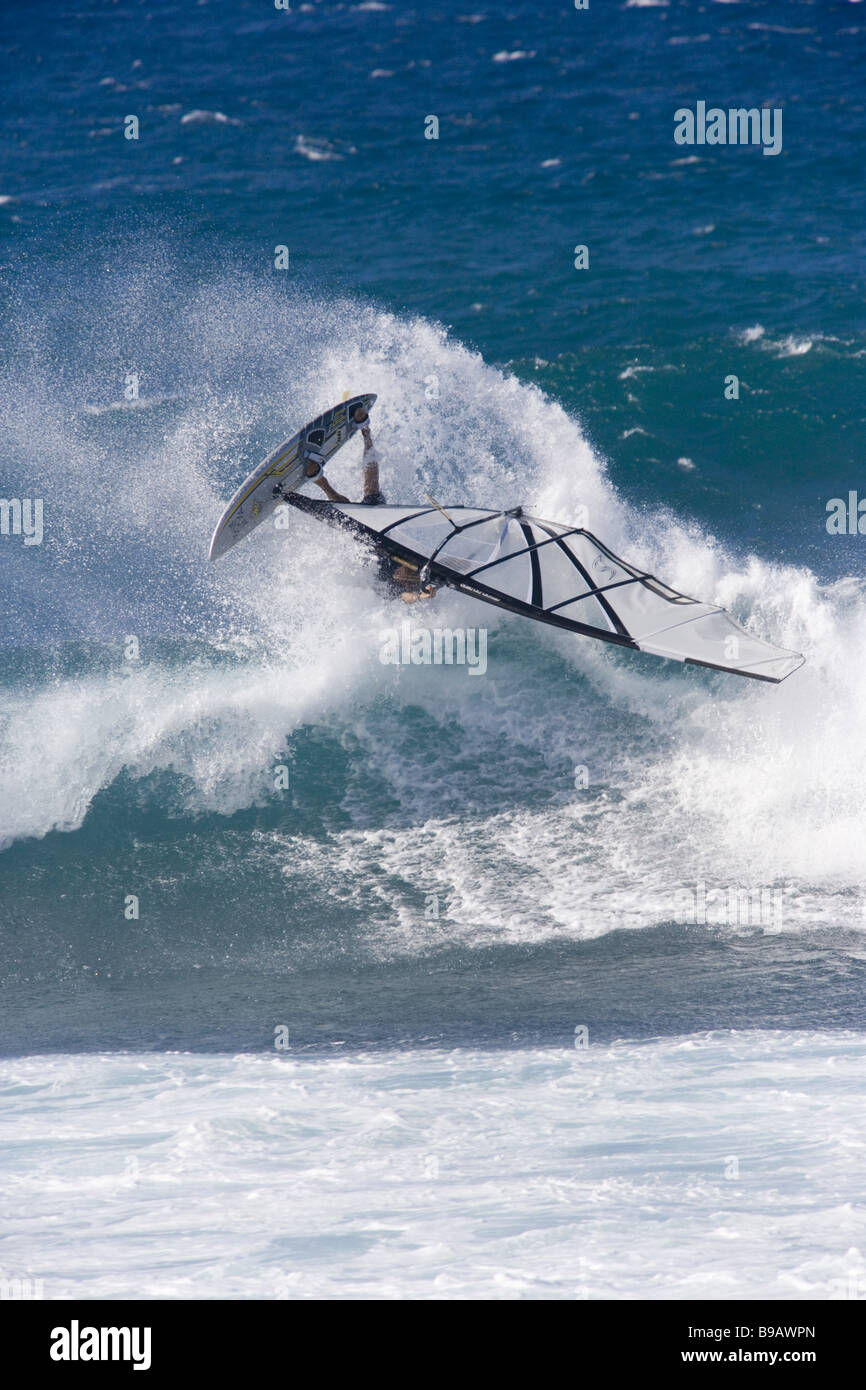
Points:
(438, 646)
(76, 1343)
(737, 126)
(22, 517)
(605, 572)
(847, 519)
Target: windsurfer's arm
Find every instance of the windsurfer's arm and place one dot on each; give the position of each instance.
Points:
(428, 592)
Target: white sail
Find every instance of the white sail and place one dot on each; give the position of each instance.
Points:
(565, 576)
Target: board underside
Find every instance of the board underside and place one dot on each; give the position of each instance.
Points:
(283, 471)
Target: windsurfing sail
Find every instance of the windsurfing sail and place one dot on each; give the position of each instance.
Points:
(562, 575)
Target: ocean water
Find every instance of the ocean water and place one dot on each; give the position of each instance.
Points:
(436, 914)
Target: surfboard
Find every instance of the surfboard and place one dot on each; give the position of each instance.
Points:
(283, 471)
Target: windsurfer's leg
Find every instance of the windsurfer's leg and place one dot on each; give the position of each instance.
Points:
(371, 478)
(329, 492)
(371, 468)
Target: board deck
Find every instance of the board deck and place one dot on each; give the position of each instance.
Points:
(256, 500)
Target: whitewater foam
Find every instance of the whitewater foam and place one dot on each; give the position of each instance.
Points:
(527, 1174)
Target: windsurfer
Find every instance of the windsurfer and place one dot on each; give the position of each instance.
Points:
(399, 576)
